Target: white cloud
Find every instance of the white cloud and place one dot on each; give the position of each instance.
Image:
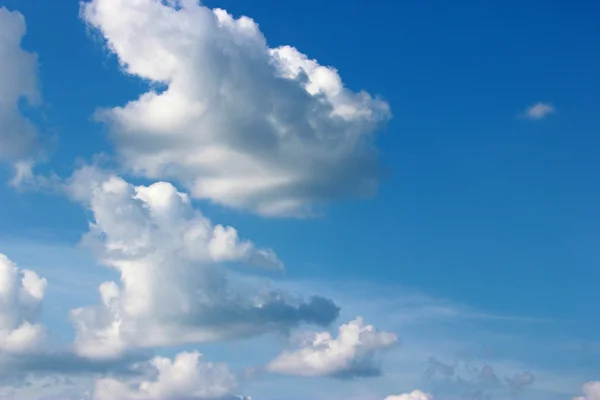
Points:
(18, 80)
(186, 377)
(539, 111)
(240, 123)
(347, 356)
(21, 295)
(591, 391)
(29, 356)
(174, 287)
(414, 395)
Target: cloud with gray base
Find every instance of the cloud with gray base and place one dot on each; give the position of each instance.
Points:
(187, 376)
(26, 351)
(26, 362)
(242, 124)
(348, 356)
(175, 287)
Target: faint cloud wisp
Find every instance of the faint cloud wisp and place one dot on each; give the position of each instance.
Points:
(472, 380)
(539, 111)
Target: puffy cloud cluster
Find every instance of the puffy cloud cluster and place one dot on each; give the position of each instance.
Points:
(242, 124)
(186, 377)
(27, 355)
(591, 391)
(28, 369)
(349, 355)
(18, 80)
(175, 287)
(21, 295)
(414, 395)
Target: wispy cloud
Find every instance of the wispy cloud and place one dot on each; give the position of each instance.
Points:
(475, 379)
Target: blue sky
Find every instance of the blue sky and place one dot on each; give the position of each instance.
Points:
(480, 239)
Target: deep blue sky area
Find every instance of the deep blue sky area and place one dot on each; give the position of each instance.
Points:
(478, 203)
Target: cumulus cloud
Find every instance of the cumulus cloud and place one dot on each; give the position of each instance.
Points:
(350, 355)
(175, 286)
(18, 80)
(414, 395)
(591, 391)
(242, 124)
(186, 377)
(539, 111)
(21, 295)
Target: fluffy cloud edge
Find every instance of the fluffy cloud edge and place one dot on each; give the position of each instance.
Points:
(347, 356)
(538, 111)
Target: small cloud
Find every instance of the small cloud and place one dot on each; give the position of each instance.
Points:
(539, 111)
(348, 356)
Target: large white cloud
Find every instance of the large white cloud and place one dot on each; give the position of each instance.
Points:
(174, 286)
(591, 391)
(21, 295)
(186, 377)
(240, 123)
(18, 80)
(347, 356)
